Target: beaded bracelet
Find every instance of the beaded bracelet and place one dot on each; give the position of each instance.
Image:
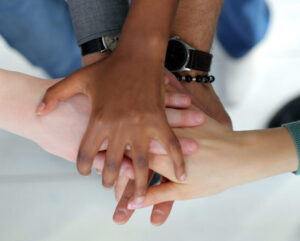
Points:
(198, 78)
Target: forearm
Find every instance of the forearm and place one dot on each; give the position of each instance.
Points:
(147, 28)
(19, 96)
(196, 22)
(267, 153)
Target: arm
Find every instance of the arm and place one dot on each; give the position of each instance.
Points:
(195, 23)
(19, 94)
(225, 159)
(141, 116)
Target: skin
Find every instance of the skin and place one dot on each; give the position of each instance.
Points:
(195, 23)
(225, 159)
(141, 117)
(55, 133)
(234, 158)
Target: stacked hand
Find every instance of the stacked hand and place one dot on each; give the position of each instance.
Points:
(118, 127)
(127, 111)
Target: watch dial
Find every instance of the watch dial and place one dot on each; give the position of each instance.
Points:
(176, 55)
(111, 42)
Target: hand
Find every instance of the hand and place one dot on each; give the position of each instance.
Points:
(203, 97)
(121, 118)
(59, 137)
(225, 159)
(206, 99)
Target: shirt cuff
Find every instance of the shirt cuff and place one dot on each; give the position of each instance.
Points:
(294, 130)
(97, 18)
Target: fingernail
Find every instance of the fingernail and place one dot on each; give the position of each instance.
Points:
(132, 206)
(157, 217)
(107, 188)
(198, 117)
(182, 178)
(40, 108)
(118, 197)
(121, 213)
(191, 147)
(137, 203)
(184, 100)
(139, 200)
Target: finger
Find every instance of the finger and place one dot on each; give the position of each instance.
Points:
(122, 213)
(171, 144)
(120, 187)
(89, 147)
(60, 91)
(184, 118)
(125, 170)
(177, 100)
(113, 160)
(141, 170)
(166, 80)
(188, 146)
(161, 193)
(161, 211)
(163, 165)
(98, 162)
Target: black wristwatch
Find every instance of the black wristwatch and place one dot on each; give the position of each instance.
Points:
(102, 44)
(182, 57)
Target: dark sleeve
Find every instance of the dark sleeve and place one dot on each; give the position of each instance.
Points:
(294, 129)
(95, 18)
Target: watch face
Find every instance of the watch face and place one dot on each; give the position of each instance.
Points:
(111, 42)
(176, 55)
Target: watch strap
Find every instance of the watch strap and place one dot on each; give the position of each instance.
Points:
(92, 46)
(199, 60)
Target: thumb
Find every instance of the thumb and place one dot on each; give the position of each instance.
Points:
(158, 194)
(163, 165)
(60, 91)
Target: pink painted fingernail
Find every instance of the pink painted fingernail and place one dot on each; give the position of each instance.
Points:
(182, 178)
(121, 213)
(198, 118)
(118, 197)
(132, 206)
(137, 203)
(40, 108)
(191, 147)
(184, 100)
(157, 217)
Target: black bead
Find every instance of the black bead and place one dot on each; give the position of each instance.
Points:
(211, 79)
(199, 78)
(206, 79)
(188, 78)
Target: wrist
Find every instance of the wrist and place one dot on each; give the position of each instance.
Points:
(150, 48)
(269, 152)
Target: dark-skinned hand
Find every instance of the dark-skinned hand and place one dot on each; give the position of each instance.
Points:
(127, 99)
(203, 97)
